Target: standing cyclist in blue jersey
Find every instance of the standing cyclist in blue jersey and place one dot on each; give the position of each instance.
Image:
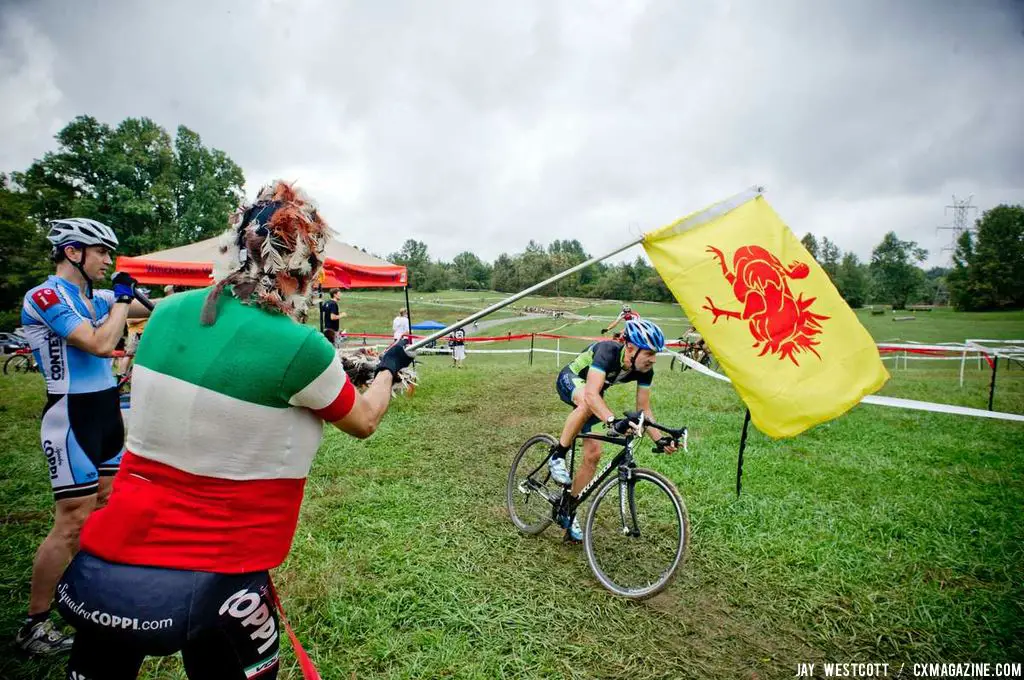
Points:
(582, 384)
(73, 331)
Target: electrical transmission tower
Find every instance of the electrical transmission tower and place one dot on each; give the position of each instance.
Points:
(961, 209)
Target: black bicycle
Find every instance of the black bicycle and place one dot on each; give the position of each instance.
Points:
(634, 539)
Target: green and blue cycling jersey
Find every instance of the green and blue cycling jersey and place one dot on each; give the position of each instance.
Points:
(606, 357)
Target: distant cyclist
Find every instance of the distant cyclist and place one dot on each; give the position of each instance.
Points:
(627, 314)
(73, 331)
(582, 384)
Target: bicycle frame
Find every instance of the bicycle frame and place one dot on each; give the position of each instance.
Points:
(623, 458)
(623, 461)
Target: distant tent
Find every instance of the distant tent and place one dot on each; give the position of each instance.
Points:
(429, 326)
(192, 265)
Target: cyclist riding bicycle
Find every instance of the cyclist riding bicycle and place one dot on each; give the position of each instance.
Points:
(230, 392)
(73, 330)
(627, 314)
(582, 385)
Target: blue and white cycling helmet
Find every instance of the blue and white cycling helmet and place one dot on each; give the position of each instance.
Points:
(645, 335)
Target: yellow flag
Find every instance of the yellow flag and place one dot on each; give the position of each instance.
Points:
(793, 348)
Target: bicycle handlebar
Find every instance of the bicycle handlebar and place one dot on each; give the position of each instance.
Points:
(674, 433)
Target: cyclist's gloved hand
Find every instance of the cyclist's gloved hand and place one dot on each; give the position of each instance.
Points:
(622, 425)
(124, 286)
(666, 445)
(395, 359)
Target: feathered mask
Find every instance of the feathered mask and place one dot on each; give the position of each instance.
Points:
(279, 239)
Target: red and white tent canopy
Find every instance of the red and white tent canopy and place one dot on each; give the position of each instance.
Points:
(192, 265)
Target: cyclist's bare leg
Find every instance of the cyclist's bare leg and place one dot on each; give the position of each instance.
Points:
(576, 420)
(591, 457)
(106, 483)
(57, 549)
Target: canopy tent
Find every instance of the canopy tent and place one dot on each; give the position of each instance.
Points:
(192, 265)
(428, 326)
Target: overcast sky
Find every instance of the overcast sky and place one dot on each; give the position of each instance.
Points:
(479, 125)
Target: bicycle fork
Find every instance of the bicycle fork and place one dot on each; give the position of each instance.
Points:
(630, 525)
(627, 503)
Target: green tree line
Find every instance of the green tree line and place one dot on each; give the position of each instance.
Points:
(160, 191)
(157, 191)
(987, 272)
(636, 280)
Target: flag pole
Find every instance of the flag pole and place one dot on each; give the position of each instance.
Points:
(521, 294)
(694, 220)
(739, 461)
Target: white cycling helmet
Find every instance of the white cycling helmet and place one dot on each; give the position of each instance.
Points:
(84, 232)
(81, 230)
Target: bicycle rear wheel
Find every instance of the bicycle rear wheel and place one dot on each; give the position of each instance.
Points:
(531, 493)
(17, 363)
(636, 534)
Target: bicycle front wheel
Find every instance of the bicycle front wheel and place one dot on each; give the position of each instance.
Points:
(531, 493)
(710, 361)
(636, 534)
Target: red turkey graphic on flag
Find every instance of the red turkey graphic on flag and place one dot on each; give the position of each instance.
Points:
(780, 323)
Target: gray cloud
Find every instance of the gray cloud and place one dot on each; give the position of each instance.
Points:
(478, 126)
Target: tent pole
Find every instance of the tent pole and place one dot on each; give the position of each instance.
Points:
(320, 305)
(408, 312)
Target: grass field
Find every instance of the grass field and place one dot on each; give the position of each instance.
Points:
(883, 536)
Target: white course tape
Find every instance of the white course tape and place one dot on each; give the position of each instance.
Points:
(700, 368)
(441, 350)
(957, 347)
(497, 351)
(891, 402)
(898, 357)
(1013, 349)
(1000, 342)
(939, 408)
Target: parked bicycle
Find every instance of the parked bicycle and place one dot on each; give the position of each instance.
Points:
(697, 351)
(21, 361)
(637, 527)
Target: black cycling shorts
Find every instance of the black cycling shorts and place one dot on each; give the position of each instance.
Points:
(224, 625)
(83, 439)
(566, 385)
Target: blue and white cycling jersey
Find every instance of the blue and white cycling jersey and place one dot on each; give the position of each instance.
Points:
(81, 432)
(50, 313)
